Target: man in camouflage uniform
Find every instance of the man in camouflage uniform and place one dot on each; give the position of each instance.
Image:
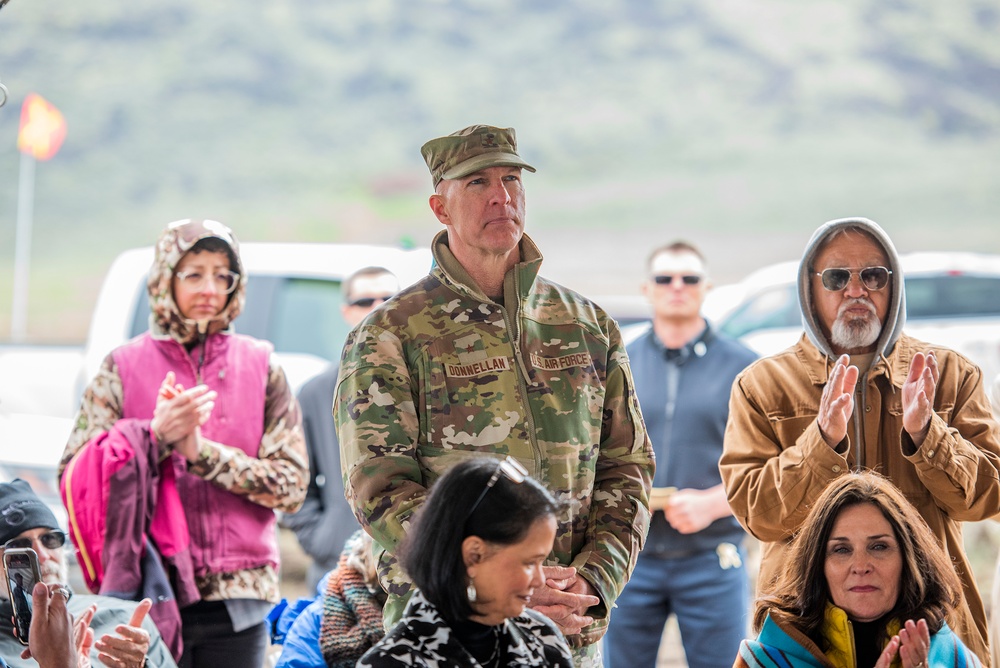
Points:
(483, 357)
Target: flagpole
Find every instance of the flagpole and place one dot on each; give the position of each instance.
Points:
(22, 248)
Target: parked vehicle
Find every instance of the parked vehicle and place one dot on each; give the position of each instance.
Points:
(293, 299)
(39, 379)
(952, 299)
(31, 448)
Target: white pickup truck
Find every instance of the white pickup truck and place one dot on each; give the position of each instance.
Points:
(293, 299)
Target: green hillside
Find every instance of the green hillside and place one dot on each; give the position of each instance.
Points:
(740, 125)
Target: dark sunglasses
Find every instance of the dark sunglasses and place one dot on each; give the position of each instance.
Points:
(687, 279)
(873, 278)
(365, 302)
(50, 540)
(509, 467)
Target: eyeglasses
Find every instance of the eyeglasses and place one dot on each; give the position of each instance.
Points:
(51, 540)
(687, 279)
(509, 467)
(873, 278)
(195, 281)
(365, 302)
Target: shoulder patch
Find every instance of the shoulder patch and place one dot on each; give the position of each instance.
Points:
(561, 362)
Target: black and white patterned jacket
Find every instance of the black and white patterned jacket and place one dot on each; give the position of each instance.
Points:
(423, 638)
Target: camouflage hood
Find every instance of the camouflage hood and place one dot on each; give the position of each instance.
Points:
(166, 319)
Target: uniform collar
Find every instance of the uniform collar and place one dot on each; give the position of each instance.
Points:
(450, 270)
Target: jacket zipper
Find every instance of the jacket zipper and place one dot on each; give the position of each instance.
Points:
(201, 527)
(850, 636)
(202, 342)
(859, 419)
(522, 379)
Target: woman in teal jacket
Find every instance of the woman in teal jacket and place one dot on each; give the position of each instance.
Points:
(867, 585)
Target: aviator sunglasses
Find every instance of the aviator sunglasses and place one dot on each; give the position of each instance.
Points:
(687, 279)
(365, 302)
(873, 278)
(509, 467)
(50, 541)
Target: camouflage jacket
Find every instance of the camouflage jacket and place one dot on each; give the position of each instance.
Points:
(441, 372)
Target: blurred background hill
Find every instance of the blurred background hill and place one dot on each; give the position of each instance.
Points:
(740, 125)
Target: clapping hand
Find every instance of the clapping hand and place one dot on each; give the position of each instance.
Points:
(126, 649)
(912, 643)
(918, 396)
(836, 405)
(179, 413)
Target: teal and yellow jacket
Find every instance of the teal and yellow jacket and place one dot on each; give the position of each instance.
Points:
(781, 645)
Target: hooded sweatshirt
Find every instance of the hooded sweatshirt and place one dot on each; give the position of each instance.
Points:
(253, 457)
(776, 463)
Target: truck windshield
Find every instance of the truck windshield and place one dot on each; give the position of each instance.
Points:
(297, 315)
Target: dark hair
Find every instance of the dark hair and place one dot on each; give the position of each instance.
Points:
(217, 245)
(431, 553)
(929, 588)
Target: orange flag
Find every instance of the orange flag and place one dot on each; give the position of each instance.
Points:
(43, 128)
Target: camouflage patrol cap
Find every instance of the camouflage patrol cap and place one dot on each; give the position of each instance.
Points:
(470, 150)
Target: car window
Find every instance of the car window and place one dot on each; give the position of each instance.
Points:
(927, 297)
(952, 296)
(774, 307)
(305, 318)
(297, 315)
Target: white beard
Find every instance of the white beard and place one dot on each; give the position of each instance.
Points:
(56, 571)
(854, 333)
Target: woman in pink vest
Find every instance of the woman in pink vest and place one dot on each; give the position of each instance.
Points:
(220, 411)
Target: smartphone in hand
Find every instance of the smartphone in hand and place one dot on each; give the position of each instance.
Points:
(21, 564)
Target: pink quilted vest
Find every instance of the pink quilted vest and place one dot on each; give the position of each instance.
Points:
(228, 532)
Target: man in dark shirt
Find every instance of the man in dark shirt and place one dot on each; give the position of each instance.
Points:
(693, 562)
(325, 521)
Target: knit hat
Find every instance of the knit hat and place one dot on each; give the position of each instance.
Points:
(21, 510)
(352, 615)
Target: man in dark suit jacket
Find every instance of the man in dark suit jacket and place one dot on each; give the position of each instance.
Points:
(325, 521)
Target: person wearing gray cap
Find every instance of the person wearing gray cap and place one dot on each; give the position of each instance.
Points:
(485, 358)
(124, 635)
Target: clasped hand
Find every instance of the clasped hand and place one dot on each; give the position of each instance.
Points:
(180, 413)
(687, 510)
(565, 598)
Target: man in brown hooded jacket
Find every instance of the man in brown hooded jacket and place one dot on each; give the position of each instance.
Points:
(856, 392)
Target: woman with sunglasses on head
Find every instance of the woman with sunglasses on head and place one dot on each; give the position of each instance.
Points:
(475, 555)
(215, 410)
(865, 584)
